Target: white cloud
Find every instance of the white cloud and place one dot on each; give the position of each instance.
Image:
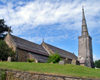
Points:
(25, 16)
(49, 38)
(35, 13)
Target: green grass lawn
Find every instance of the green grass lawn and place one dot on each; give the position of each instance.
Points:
(68, 69)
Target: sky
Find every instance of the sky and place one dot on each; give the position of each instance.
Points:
(58, 22)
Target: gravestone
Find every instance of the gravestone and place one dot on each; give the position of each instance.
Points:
(74, 62)
(9, 59)
(62, 62)
(65, 61)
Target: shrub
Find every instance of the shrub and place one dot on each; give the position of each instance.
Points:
(5, 51)
(30, 60)
(97, 63)
(3, 75)
(54, 58)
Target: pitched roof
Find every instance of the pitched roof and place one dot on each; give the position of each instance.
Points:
(35, 48)
(62, 52)
(29, 46)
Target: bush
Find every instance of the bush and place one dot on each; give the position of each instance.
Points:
(3, 75)
(54, 58)
(97, 63)
(30, 60)
(5, 51)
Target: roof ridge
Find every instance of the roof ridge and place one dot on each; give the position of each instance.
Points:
(27, 44)
(26, 40)
(57, 47)
(60, 50)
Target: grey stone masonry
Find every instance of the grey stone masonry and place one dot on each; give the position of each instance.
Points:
(21, 75)
(85, 55)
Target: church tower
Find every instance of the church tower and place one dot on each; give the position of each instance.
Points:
(85, 56)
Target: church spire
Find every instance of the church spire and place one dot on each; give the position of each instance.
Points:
(84, 25)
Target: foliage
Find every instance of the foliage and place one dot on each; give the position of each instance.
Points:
(3, 28)
(54, 58)
(30, 60)
(67, 69)
(5, 51)
(3, 75)
(97, 63)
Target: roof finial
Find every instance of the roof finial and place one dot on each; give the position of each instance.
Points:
(43, 40)
(83, 7)
(9, 30)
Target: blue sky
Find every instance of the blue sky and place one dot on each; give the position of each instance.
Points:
(57, 21)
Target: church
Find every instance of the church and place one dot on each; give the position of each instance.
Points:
(40, 52)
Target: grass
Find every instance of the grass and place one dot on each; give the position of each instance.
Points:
(68, 69)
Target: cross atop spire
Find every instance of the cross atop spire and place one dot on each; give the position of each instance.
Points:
(84, 25)
(42, 40)
(9, 30)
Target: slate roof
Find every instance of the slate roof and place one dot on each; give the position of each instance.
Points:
(35, 48)
(29, 46)
(62, 52)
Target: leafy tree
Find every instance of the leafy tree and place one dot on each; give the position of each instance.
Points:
(97, 63)
(3, 28)
(54, 58)
(5, 51)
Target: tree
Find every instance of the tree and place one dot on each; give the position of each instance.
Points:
(54, 58)
(97, 63)
(3, 28)
(5, 51)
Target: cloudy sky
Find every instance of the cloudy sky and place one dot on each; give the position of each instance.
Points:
(57, 21)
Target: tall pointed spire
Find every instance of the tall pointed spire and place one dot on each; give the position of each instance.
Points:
(85, 56)
(84, 25)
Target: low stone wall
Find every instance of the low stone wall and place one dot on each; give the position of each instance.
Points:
(21, 75)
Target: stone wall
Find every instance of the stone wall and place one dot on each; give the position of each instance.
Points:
(21, 75)
(9, 41)
(23, 55)
(85, 51)
(47, 48)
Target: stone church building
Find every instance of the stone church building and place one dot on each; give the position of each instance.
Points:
(25, 49)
